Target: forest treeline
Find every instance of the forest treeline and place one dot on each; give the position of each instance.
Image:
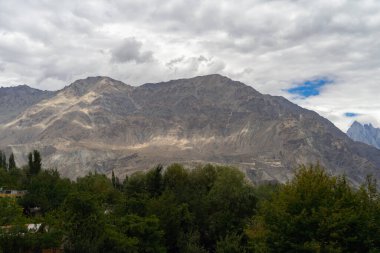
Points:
(207, 209)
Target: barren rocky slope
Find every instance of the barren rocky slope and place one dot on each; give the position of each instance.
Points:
(14, 100)
(102, 124)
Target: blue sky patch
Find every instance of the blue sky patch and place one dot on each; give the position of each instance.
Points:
(351, 114)
(309, 87)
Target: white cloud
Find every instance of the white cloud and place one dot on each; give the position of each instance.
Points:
(268, 44)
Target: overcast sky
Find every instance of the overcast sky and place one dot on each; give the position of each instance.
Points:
(323, 54)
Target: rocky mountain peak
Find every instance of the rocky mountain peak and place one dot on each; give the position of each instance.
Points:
(211, 81)
(18, 88)
(356, 124)
(97, 84)
(212, 90)
(365, 133)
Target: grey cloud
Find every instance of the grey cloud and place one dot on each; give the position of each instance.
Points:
(270, 44)
(174, 61)
(129, 50)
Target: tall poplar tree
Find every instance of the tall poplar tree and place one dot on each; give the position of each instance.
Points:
(37, 164)
(34, 162)
(1, 159)
(4, 160)
(11, 163)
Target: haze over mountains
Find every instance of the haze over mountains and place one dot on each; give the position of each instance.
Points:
(365, 133)
(102, 124)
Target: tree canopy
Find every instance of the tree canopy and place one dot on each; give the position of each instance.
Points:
(316, 212)
(210, 208)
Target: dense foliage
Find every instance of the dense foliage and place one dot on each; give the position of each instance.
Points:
(207, 209)
(318, 213)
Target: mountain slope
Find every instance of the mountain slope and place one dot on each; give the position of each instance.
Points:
(15, 100)
(365, 133)
(103, 124)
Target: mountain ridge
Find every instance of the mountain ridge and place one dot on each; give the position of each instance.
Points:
(14, 100)
(106, 125)
(81, 86)
(365, 133)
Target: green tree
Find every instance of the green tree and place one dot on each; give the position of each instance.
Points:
(11, 162)
(13, 239)
(154, 181)
(176, 179)
(3, 160)
(175, 219)
(84, 223)
(116, 182)
(191, 245)
(231, 243)
(37, 164)
(30, 163)
(230, 204)
(136, 194)
(113, 179)
(316, 213)
(138, 234)
(12, 228)
(34, 162)
(100, 187)
(10, 212)
(211, 201)
(13, 179)
(47, 191)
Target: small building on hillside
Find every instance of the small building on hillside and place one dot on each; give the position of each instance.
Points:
(34, 228)
(11, 193)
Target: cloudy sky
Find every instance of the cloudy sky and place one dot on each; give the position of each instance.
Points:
(323, 55)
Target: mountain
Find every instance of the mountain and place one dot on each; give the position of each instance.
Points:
(14, 100)
(365, 133)
(102, 124)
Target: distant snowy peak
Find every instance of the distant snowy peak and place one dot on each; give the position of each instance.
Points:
(365, 133)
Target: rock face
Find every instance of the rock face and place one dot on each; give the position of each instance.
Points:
(102, 124)
(365, 133)
(14, 100)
